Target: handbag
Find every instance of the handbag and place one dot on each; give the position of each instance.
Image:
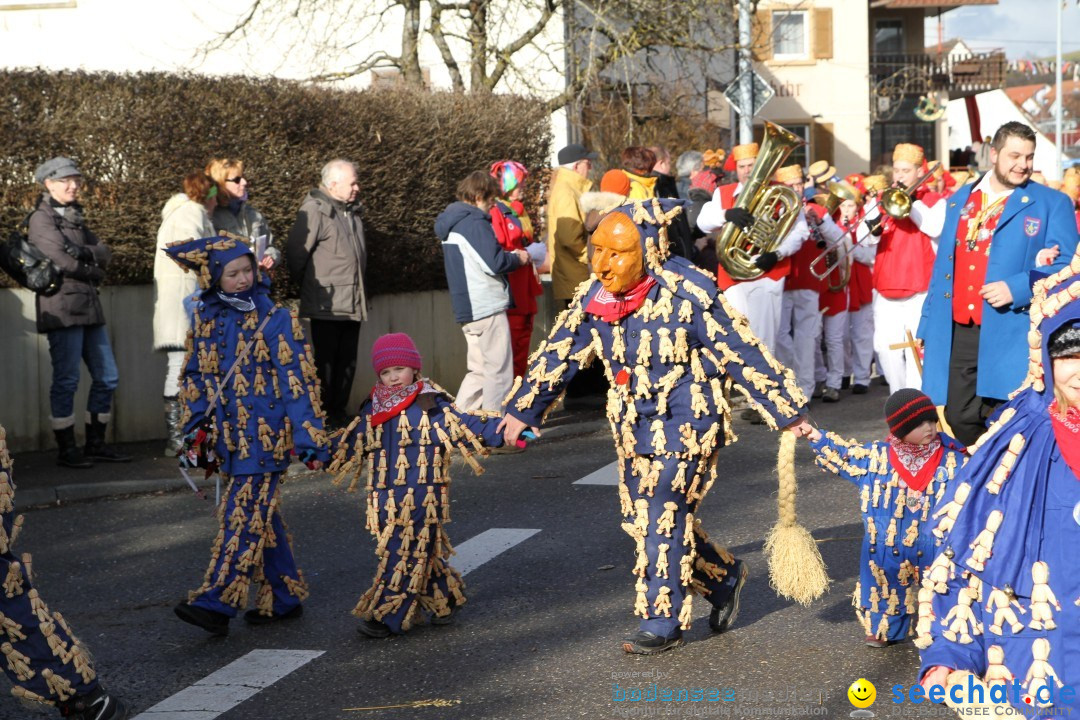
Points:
(27, 265)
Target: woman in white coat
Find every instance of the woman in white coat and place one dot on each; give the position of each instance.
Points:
(185, 216)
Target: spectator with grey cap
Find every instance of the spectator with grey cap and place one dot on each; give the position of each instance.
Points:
(73, 319)
(567, 239)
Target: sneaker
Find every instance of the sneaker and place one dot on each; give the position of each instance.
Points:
(819, 389)
(374, 629)
(830, 395)
(212, 622)
(875, 642)
(723, 616)
(95, 705)
(254, 617)
(646, 643)
(858, 389)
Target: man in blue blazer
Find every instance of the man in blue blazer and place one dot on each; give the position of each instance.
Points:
(975, 318)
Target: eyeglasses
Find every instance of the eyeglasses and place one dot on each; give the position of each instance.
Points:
(238, 179)
(70, 180)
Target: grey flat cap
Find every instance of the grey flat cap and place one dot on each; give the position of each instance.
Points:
(58, 167)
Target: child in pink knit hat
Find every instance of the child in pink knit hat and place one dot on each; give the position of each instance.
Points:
(403, 442)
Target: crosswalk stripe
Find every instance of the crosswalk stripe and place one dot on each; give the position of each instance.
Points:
(607, 475)
(477, 550)
(224, 689)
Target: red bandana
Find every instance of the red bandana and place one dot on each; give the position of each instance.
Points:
(387, 402)
(915, 464)
(1067, 434)
(609, 307)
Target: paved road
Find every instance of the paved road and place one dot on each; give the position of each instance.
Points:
(540, 635)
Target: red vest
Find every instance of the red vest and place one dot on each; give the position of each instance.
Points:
(859, 290)
(801, 278)
(905, 256)
(969, 270)
(723, 280)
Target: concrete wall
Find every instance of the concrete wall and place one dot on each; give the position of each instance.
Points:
(25, 370)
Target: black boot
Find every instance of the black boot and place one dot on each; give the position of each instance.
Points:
(173, 428)
(95, 705)
(96, 449)
(68, 452)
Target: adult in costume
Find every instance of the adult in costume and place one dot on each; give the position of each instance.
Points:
(250, 399)
(44, 660)
(1002, 594)
(671, 347)
(994, 232)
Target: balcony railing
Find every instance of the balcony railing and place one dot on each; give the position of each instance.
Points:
(959, 76)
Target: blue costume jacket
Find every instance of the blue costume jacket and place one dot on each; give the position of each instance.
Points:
(1034, 218)
(1005, 587)
(407, 462)
(898, 543)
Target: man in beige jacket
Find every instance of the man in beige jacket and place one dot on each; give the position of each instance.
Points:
(567, 240)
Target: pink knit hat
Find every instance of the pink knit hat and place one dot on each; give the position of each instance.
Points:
(394, 350)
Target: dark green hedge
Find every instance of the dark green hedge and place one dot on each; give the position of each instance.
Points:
(135, 136)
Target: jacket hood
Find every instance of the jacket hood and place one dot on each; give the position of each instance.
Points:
(454, 214)
(173, 204)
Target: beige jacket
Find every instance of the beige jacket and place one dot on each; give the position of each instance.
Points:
(568, 243)
(181, 219)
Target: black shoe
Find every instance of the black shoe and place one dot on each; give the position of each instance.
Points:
(830, 395)
(857, 389)
(445, 619)
(95, 705)
(254, 617)
(819, 388)
(845, 383)
(752, 416)
(68, 453)
(96, 449)
(374, 629)
(646, 643)
(723, 616)
(212, 622)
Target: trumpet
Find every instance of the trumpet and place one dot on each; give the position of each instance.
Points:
(835, 255)
(896, 202)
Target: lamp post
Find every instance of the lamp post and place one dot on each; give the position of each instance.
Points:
(1060, 100)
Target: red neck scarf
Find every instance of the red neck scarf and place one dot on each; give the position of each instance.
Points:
(387, 402)
(609, 307)
(1067, 434)
(915, 464)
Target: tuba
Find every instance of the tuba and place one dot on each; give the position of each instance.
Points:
(775, 208)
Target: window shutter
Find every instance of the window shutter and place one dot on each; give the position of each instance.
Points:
(823, 40)
(821, 142)
(761, 45)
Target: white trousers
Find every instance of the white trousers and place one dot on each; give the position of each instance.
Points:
(760, 301)
(836, 336)
(175, 360)
(860, 347)
(490, 362)
(800, 331)
(892, 318)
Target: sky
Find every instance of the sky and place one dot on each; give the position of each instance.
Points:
(1023, 28)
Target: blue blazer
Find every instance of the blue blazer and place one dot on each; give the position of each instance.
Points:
(1035, 217)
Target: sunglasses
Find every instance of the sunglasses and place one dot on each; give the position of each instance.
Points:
(236, 179)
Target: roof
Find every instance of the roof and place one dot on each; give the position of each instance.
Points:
(946, 47)
(1022, 93)
(929, 5)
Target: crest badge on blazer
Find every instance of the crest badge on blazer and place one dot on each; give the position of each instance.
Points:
(1031, 226)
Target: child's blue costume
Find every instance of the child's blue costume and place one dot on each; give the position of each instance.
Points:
(404, 441)
(1004, 591)
(264, 411)
(670, 364)
(897, 520)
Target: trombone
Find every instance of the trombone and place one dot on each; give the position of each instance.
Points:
(896, 202)
(835, 255)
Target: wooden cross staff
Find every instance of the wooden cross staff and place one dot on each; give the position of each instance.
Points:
(913, 344)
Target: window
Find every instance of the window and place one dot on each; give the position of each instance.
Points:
(789, 34)
(889, 37)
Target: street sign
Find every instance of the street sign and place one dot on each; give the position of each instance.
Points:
(761, 93)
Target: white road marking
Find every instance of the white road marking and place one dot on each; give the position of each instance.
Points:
(220, 691)
(476, 551)
(607, 475)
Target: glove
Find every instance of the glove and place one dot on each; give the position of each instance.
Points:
(742, 217)
(874, 225)
(79, 252)
(766, 261)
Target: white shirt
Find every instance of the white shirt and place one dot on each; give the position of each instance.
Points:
(711, 218)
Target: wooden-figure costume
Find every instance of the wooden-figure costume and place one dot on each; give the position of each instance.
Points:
(247, 428)
(672, 349)
(402, 444)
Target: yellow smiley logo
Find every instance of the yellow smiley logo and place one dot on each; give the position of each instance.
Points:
(862, 693)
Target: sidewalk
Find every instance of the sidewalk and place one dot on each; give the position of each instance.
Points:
(39, 481)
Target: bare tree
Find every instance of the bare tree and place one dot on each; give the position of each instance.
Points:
(486, 45)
